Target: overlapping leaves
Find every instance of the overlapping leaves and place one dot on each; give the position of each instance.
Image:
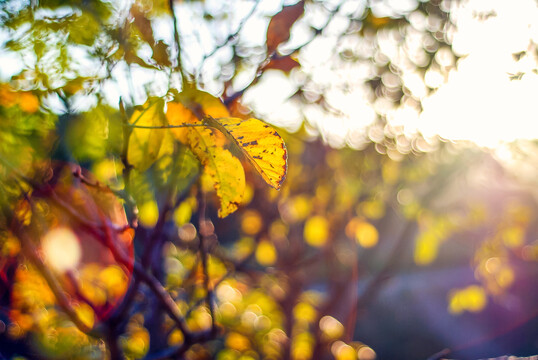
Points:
(192, 118)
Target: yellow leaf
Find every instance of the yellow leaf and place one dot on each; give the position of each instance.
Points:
(203, 104)
(219, 164)
(260, 143)
(145, 144)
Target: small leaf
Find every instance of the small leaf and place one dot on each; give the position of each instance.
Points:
(160, 54)
(131, 58)
(260, 143)
(280, 25)
(143, 24)
(145, 144)
(286, 64)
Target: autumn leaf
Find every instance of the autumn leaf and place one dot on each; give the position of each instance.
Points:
(143, 24)
(286, 64)
(203, 104)
(145, 144)
(280, 25)
(160, 54)
(219, 164)
(260, 143)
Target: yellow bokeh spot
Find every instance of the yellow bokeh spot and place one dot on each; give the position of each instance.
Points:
(227, 310)
(343, 351)
(316, 231)
(472, 298)
(106, 170)
(115, 280)
(475, 298)
(390, 172)
(300, 208)
(248, 194)
(85, 314)
(176, 337)
(266, 254)
(331, 328)
(505, 277)
(278, 230)
(148, 214)
(346, 352)
(243, 247)
(237, 341)
(301, 347)
(200, 319)
(373, 209)
(137, 344)
(251, 222)
(513, 237)
(305, 312)
(366, 235)
(183, 214)
(426, 248)
(9, 245)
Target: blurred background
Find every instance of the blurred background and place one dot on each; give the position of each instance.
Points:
(407, 221)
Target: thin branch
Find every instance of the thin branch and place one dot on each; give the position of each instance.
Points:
(179, 67)
(230, 37)
(275, 56)
(167, 126)
(162, 295)
(203, 254)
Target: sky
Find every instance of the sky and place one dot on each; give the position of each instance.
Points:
(478, 101)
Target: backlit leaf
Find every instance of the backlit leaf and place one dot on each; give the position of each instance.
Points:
(280, 25)
(145, 144)
(260, 143)
(285, 64)
(219, 164)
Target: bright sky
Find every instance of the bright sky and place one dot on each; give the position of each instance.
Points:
(479, 102)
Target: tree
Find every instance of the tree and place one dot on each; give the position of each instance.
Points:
(141, 216)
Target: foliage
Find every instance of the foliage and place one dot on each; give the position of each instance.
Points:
(162, 219)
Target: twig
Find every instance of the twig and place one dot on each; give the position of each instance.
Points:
(274, 56)
(179, 67)
(162, 295)
(229, 38)
(166, 126)
(203, 254)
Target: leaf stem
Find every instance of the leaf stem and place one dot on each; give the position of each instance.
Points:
(166, 126)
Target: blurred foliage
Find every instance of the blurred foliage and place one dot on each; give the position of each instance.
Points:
(153, 219)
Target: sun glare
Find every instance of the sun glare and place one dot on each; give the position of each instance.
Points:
(490, 98)
(61, 249)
